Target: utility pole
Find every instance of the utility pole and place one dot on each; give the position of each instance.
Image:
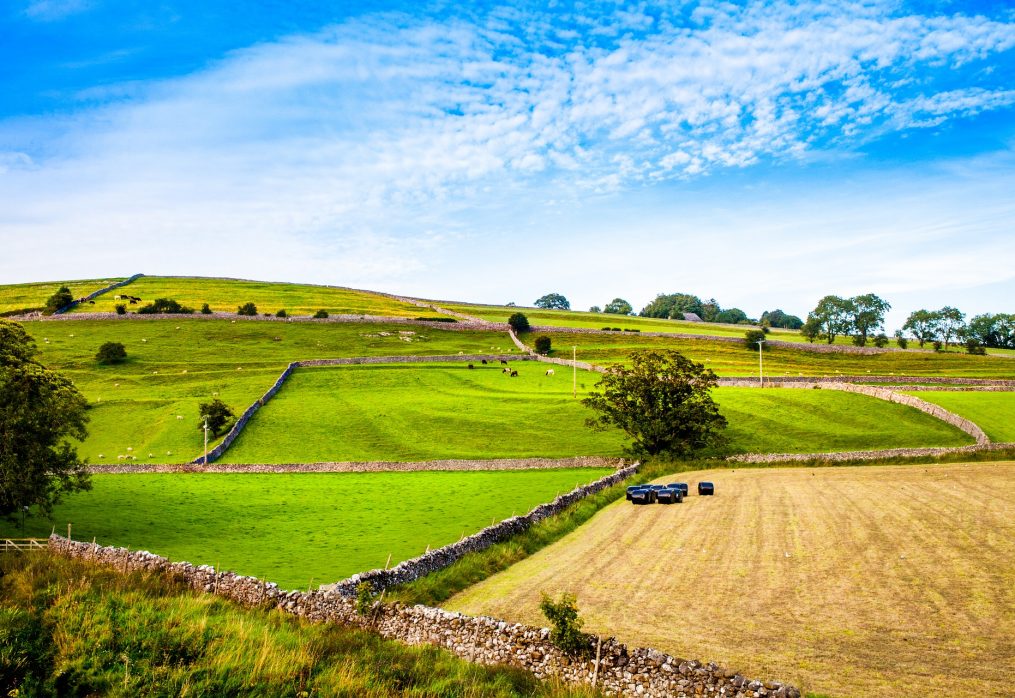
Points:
(574, 371)
(206, 442)
(761, 364)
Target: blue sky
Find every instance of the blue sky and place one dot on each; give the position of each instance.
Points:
(762, 153)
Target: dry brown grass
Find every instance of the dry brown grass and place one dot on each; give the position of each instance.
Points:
(869, 581)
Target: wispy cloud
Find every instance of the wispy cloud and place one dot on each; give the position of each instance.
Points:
(52, 10)
(380, 138)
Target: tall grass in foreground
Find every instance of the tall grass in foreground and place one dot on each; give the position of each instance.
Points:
(72, 628)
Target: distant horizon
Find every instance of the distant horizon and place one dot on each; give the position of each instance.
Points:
(764, 153)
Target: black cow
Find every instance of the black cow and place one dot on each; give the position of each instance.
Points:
(471, 366)
(484, 362)
(503, 362)
(514, 374)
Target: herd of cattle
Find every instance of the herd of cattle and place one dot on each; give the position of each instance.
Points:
(673, 493)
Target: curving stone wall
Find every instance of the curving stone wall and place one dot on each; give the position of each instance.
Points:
(433, 560)
(93, 294)
(620, 670)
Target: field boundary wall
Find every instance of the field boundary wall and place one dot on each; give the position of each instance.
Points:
(616, 669)
(844, 456)
(241, 423)
(456, 465)
(438, 559)
(74, 303)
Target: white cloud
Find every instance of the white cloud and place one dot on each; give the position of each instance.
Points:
(369, 151)
(53, 10)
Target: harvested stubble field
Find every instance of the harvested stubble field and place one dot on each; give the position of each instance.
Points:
(34, 295)
(299, 529)
(226, 295)
(174, 365)
(849, 581)
(733, 359)
(993, 412)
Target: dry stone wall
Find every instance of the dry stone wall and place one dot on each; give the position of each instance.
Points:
(371, 466)
(73, 304)
(848, 456)
(433, 560)
(620, 670)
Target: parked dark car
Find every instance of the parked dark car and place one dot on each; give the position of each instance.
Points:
(669, 495)
(682, 486)
(645, 495)
(706, 488)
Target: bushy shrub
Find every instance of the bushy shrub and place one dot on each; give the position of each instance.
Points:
(900, 339)
(518, 322)
(543, 344)
(282, 313)
(975, 348)
(364, 598)
(565, 625)
(752, 337)
(58, 300)
(437, 319)
(615, 329)
(111, 353)
(938, 345)
(321, 314)
(881, 340)
(165, 305)
(247, 309)
(218, 415)
(206, 309)
(607, 329)
(121, 308)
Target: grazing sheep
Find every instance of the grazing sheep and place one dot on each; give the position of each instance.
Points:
(179, 416)
(505, 370)
(102, 455)
(549, 372)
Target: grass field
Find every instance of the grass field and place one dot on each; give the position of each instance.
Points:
(34, 295)
(300, 529)
(411, 412)
(844, 581)
(76, 629)
(792, 420)
(993, 412)
(730, 359)
(227, 294)
(420, 412)
(170, 371)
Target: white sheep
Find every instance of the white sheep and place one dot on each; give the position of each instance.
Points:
(549, 372)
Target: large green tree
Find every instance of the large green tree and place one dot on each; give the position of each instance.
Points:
(673, 305)
(58, 300)
(663, 402)
(867, 315)
(924, 325)
(618, 306)
(41, 413)
(952, 322)
(553, 301)
(834, 316)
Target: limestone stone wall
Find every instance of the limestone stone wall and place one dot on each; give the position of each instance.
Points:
(620, 670)
(433, 560)
(369, 467)
(93, 294)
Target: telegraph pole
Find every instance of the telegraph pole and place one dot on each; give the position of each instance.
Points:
(761, 365)
(206, 442)
(574, 371)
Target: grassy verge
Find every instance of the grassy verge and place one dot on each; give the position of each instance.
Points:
(475, 567)
(71, 628)
(993, 412)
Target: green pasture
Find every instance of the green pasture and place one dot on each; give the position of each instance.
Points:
(299, 530)
(424, 412)
(170, 371)
(412, 412)
(34, 295)
(227, 294)
(733, 359)
(796, 420)
(598, 321)
(992, 412)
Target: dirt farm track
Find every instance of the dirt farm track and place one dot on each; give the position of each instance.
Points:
(849, 581)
